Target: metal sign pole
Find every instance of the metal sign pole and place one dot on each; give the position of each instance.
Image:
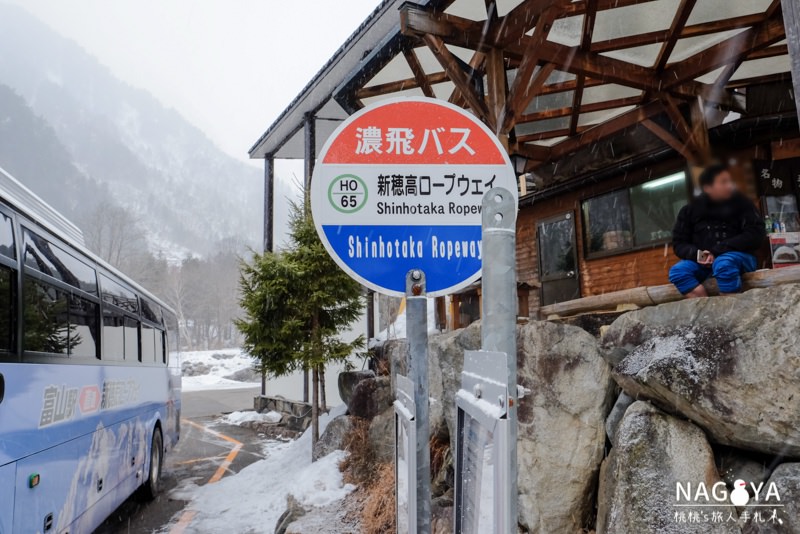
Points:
(499, 332)
(417, 333)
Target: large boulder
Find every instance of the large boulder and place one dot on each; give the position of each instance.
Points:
(571, 395)
(371, 396)
(730, 364)
(348, 380)
(784, 517)
(381, 436)
(334, 438)
(653, 452)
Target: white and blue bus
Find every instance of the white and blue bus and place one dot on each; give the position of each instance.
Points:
(89, 394)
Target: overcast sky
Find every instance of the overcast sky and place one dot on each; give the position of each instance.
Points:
(229, 66)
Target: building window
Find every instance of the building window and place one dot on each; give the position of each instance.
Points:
(635, 217)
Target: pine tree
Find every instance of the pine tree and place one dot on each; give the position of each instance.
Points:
(297, 304)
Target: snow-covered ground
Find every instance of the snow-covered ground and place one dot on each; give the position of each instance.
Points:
(254, 499)
(212, 369)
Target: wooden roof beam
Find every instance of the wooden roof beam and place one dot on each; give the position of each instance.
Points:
(605, 129)
(400, 85)
(419, 73)
(694, 30)
(586, 43)
(585, 108)
(728, 51)
(673, 142)
(524, 88)
(678, 23)
(460, 78)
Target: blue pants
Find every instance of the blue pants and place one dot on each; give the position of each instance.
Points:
(727, 269)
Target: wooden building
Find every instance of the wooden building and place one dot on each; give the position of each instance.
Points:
(608, 109)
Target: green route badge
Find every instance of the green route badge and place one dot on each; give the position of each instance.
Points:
(347, 193)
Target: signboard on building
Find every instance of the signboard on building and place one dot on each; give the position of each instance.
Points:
(399, 186)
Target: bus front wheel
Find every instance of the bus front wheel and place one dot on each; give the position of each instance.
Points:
(152, 486)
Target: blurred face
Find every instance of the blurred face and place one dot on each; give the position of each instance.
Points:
(722, 188)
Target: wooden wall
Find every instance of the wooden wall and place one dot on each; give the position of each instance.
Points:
(643, 267)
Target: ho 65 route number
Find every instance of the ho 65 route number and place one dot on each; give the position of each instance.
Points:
(347, 193)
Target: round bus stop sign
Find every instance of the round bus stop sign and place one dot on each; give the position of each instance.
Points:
(399, 186)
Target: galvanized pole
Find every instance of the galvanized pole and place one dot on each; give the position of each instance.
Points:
(417, 333)
(499, 328)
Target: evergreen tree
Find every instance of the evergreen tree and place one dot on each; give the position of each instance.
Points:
(297, 304)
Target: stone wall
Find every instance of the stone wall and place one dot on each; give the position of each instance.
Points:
(707, 399)
(296, 415)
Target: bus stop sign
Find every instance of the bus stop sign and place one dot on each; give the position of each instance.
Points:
(399, 185)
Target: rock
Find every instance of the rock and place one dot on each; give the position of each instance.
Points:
(348, 380)
(729, 364)
(381, 436)
(219, 356)
(333, 439)
(652, 452)
(617, 412)
(194, 368)
(571, 394)
(442, 516)
(733, 465)
(294, 511)
(371, 396)
(786, 478)
(245, 375)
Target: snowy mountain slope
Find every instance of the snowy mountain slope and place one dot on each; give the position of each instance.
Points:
(185, 190)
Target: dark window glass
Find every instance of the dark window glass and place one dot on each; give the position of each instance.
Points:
(119, 295)
(113, 335)
(655, 207)
(160, 355)
(151, 311)
(784, 210)
(7, 237)
(51, 260)
(46, 318)
(149, 343)
(131, 339)
(83, 335)
(8, 305)
(173, 333)
(607, 222)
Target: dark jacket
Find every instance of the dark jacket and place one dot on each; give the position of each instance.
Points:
(719, 227)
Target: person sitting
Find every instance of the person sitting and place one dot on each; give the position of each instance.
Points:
(716, 235)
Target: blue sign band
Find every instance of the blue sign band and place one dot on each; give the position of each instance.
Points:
(447, 255)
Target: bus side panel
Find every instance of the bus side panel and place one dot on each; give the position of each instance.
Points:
(75, 424)
(7, 478)
(55, 468)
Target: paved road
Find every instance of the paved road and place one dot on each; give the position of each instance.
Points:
(207, 452)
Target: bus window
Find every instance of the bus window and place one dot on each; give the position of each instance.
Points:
(7, 238)
(51, 260)
(83, 327)
(149, 343)
(113, 335)
(151, 311)
(8, 306)
(160, 356)
(119, 295)
(46, 318)
(131, 339)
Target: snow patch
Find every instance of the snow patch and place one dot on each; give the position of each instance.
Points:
(239, 418)
(254, 499)
(208, 369)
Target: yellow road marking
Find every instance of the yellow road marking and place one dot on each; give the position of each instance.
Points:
(189, 515)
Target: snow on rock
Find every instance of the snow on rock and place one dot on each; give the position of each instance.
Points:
(254, 499)
(397, 330)
(239, 418)
(216, 369)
